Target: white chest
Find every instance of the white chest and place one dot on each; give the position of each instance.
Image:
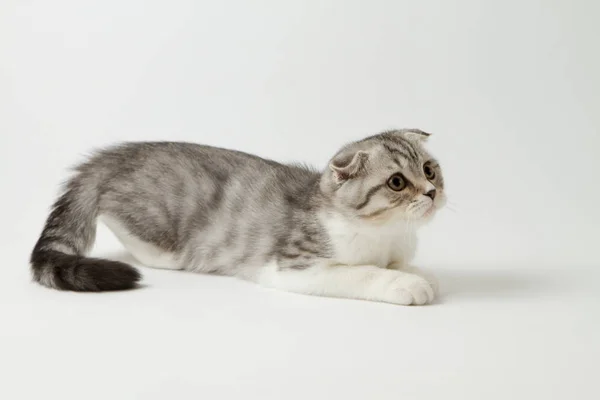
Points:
(361, 243)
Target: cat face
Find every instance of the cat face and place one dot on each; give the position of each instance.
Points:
(386, 177)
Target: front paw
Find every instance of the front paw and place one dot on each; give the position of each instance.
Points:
(410, 289)
(425, 275)
(416, 271)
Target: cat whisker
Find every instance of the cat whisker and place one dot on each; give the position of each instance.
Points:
(450, 208)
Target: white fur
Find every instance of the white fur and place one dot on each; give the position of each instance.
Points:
(359, 242)
(146, 253)
(363, 252)
(365, 282)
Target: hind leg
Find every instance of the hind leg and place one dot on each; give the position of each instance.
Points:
(146, 253)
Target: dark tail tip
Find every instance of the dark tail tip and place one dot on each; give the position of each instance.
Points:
(94, 274)
(83, 274)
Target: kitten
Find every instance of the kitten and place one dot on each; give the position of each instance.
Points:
(349, 231)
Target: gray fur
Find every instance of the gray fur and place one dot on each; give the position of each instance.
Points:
(220, 210)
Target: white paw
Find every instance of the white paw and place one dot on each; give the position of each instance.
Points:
(425, 275)
(410, 289)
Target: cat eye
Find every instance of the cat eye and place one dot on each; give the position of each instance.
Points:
(396, 182)
(429, 172)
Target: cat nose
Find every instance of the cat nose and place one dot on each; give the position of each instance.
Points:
(431, 194)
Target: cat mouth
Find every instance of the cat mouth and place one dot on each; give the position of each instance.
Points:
(429, 210)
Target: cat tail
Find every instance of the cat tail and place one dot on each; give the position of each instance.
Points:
(58, 259)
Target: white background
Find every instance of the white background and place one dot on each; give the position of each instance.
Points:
(511, 91)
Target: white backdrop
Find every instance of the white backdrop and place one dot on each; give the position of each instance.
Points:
(510, 89)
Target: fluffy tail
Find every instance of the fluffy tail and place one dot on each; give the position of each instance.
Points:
(58, 259)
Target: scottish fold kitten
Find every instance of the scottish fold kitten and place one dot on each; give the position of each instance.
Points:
(348, 231)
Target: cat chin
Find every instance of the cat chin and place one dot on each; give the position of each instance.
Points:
(423, 219)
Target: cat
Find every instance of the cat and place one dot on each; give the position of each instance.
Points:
(348, 231)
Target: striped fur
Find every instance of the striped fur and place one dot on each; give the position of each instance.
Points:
(228, 212)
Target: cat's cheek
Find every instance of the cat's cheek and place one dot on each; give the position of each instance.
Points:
(398, 213)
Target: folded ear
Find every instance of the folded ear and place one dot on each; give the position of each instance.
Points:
(416, 135)
(348, 165)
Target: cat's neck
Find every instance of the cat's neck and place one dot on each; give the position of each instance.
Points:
(357, 242)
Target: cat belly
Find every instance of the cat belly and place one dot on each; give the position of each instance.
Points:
(146, 253)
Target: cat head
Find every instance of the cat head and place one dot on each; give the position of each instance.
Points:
(386, 177)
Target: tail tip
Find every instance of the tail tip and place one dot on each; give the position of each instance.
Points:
(83, 274)
(103, 275)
